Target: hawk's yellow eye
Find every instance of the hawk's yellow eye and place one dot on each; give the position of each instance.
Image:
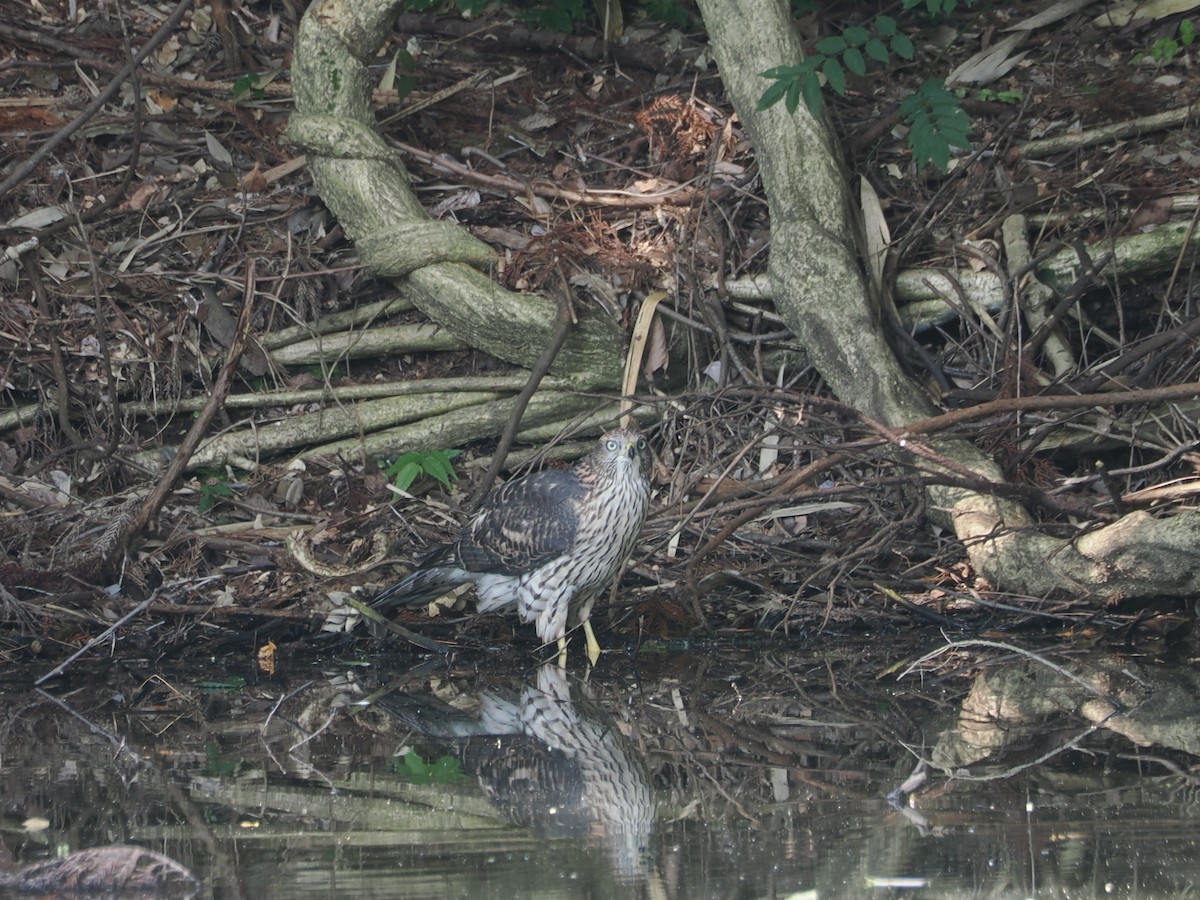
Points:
(611, 444)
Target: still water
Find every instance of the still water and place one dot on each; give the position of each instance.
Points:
(737, 774)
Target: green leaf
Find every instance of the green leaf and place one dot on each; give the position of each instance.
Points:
(404, 86)
(832, 45)
(876, 50)
(1164, 49)
(773, 94)
(557, 20)
(415, 765)
(216, 764)
(783, 72)
(559, 15)
(854, 61)
(223, 685)
(212, 487)
(793, 95)
(812, 95)
(437, 465)
(835, 75)
(247, 86)
(856, 35)
(407, 474)
(405, 60)
(926, 146)
(438, 470)
(443, 770)
(937, 122)
(446, 770)
(666, 11)
(885, 25)
(397, 464)
(903, 47)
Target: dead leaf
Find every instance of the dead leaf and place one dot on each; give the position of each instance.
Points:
(141, 196)
(43, 217)
(535, 204)
(339, 615)
(217, 151)
(1153, 212)
(611, 17)
(290, 491)
(768, 455)
(8, 457)
(1051, 14)
(637, 348)
(504, 237)
(657, 355)
(652, 185)
(879, 236)
(538, 121)
(168, 52)
(461, 200)
(989, 64)
(266, 657)
(387, 81)
(253, 182)
(158, 102)
(1143, 10)
(28, 119)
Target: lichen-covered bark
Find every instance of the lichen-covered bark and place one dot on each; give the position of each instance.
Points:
(1023, 701)
(814, 265)
(363, 181)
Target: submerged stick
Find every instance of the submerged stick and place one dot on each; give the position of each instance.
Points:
(100, 638)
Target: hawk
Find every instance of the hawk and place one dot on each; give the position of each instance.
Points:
(549, 758)
(548, 543)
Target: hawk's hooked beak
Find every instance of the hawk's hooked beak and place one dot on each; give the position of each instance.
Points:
(631, 449)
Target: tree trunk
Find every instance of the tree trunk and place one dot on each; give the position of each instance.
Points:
(364, 183)
(817, 277)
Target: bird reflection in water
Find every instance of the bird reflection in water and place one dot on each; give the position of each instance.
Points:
(548, 761)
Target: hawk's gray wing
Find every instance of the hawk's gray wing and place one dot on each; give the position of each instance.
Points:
(522, 524)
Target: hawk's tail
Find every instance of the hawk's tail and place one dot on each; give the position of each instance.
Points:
(420, 587)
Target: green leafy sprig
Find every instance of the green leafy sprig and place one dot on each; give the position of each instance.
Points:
(437, 464)
(937, 123)
(832, 58)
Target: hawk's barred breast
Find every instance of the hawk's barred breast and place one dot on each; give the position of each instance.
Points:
(548, 543)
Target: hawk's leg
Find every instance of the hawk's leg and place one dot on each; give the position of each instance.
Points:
(562, 652)
(593, 645)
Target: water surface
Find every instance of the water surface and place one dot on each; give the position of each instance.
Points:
(675, 774)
